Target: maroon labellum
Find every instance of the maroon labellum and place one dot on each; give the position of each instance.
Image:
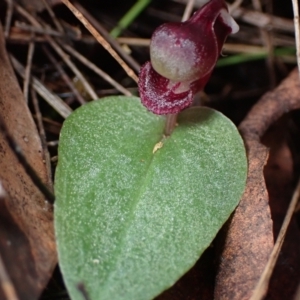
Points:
(183, 56)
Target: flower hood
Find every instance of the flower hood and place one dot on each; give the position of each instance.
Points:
(183, 56)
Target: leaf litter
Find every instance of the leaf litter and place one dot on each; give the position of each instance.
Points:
(282, 100)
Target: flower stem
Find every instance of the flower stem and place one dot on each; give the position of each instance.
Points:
(170, 123)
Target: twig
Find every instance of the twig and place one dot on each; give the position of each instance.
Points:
(52, 126)
(64, 75)
(54, 159)
(53, 143)
(297, 30)
(97, 70)
(263, 20)
(232, 7)
(100, 39)
(243, 48)
(256, 18)
(41, 131)
(53, 17)
(19, 37)
(58, 104)
(8, 17)
(59, 51)
(267, 42)
(107, 36)
(188, 10)
(229, 47)
(16, 149)
(28, 68)
(73, 67)
(263, 283)
(134, 41)
(34, 29)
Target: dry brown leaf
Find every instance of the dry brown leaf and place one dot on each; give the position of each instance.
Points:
(248, 240)
(279, 176)
(27, 244)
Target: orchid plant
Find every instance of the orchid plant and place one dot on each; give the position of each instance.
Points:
(135, 209)
(183, 56)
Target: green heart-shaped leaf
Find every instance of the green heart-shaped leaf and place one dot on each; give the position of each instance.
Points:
(130, 222)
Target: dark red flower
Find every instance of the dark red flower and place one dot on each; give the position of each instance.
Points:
(183, 56)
